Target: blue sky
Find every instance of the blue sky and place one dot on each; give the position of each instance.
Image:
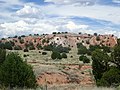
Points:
(19, 17)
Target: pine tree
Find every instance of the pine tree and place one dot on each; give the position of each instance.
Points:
(2, 55)
(14, 72)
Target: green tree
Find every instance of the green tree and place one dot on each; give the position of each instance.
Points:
(106, 49)
(14, 72)
(110, 78)
(64, 55)
(2, 45)
(84, 59)
(59, 56)
(53, 55)
(95, 34)
(82, 50)
(118, 42)
(54, 33)
(81, 57)
(92, 48)
(100, 63)
(116, 56)
(2, 55)
(8, 45)
(56, 55)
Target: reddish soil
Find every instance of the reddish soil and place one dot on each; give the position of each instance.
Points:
(70, 74)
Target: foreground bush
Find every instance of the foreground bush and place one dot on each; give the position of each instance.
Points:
(2, 55)
(14, 72)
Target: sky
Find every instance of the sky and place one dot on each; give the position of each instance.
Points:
(24, 17)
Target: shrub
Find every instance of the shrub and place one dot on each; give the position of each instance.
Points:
(17, 47)
(59, 56)
(2, 55)
(43, 41)
(8, 45)
(54, 33)
(19, 37)
(26, 50)
(21, 41)
(48, 47)
(84, 59)
(2, 45)
(31, 47)
(81, 57)
(44, 53)
(95, 34)
(66, 37)
(64, 55)
(98, 38)
(106, 49)
(56, 55)
(82, 50)
(16, 73)
(110, 78)
(39, 46)
(24, 55)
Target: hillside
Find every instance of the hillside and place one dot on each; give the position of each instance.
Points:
(67, 72)
(66, 40)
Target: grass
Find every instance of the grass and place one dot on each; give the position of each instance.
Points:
(34, 55)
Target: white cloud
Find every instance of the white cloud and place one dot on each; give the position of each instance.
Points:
(45, 26)
(74, 2)
(29, 11)
(28, 19)
(107, 13)
(22, 27)
(71, 25)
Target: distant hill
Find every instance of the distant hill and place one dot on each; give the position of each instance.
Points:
(65, 39)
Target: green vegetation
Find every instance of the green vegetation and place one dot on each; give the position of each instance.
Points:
(17, 47)
(84, 59)
(100, 63)
(14, 72)
(26, 50)
(2, 55)
(56, 55)
(39, 46)
(81, 49)
(21, 41)
(44, 53)
(106, 67)
(58, 48)
(97, 38)
(64, 55)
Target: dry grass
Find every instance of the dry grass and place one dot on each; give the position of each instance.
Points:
(34, 55)
(75, 87)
